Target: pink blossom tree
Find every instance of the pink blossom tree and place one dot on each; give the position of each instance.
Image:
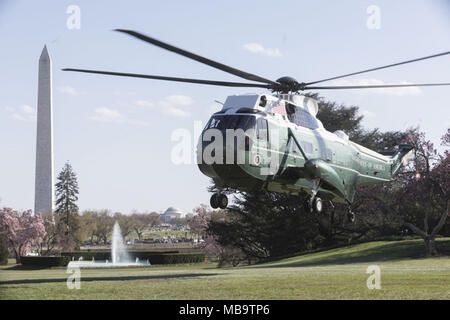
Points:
(419, 199)
(199, 222)
(425, 196)
(21, 230)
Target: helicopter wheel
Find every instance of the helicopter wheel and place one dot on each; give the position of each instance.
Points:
(317, 205)
(214, 201)
(351, 217)
(218, 200)
(222, 201)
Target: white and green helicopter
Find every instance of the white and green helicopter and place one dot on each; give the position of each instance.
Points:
(275, 142)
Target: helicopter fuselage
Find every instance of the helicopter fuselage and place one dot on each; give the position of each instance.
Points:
(286, 149)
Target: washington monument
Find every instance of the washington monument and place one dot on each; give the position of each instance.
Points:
(44, 195)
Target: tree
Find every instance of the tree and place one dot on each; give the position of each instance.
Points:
(21, 230)
(51, 239)
(144, 221)
(426, 191)
(88, 225)
(339, 117)
(153, 219)
(66, 207)
(125, 222)
(4, 252)
(139, 224)
(105, 224)
(199, 222)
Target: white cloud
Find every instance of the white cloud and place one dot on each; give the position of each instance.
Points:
(22, 113)
(257, 48)
(179, 100)
(173, 105)
(17, 116)
(176, 112)
(108, 115)
(145, 104)
(28, 110)
(69, 90)
(391, 91)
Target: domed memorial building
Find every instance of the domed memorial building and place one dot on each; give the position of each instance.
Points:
(171, 213)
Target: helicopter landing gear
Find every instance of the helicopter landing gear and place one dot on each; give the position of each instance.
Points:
(351, 216)
(218, 200)
(314, 203)
(317, 205)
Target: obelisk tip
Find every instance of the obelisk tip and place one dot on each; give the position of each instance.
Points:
(44, 54)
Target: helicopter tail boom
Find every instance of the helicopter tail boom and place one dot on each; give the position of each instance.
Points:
(399, 157)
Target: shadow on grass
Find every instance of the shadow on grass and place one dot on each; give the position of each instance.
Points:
(121, 278)
(18, 267)
(392, 251)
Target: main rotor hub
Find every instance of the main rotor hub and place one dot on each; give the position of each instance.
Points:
(288, 84)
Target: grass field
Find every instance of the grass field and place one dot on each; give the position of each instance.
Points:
(334, 274)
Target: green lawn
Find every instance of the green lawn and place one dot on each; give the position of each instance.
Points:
(334, 274)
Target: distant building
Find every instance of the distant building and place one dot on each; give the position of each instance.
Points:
(171, 213)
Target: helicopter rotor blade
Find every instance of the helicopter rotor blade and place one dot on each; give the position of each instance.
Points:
(211, 63)
(374, 86)
(379, 68)
(198, 81)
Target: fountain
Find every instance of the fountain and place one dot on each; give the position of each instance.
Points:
(119, 255)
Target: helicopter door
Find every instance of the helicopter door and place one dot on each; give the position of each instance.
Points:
(262, 138)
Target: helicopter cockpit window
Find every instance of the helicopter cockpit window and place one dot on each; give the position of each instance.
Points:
(290, 111)
(231, 122)
(301, 117)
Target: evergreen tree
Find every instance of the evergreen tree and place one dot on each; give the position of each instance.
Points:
(66, 207)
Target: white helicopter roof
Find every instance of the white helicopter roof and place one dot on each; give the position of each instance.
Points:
(252, 101)
(241, 101)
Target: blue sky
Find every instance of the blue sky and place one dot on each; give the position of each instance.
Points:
(116, 132)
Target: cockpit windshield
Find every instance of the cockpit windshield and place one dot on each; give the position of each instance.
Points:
(223, 122)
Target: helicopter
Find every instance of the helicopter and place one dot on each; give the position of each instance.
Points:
(274, 141)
